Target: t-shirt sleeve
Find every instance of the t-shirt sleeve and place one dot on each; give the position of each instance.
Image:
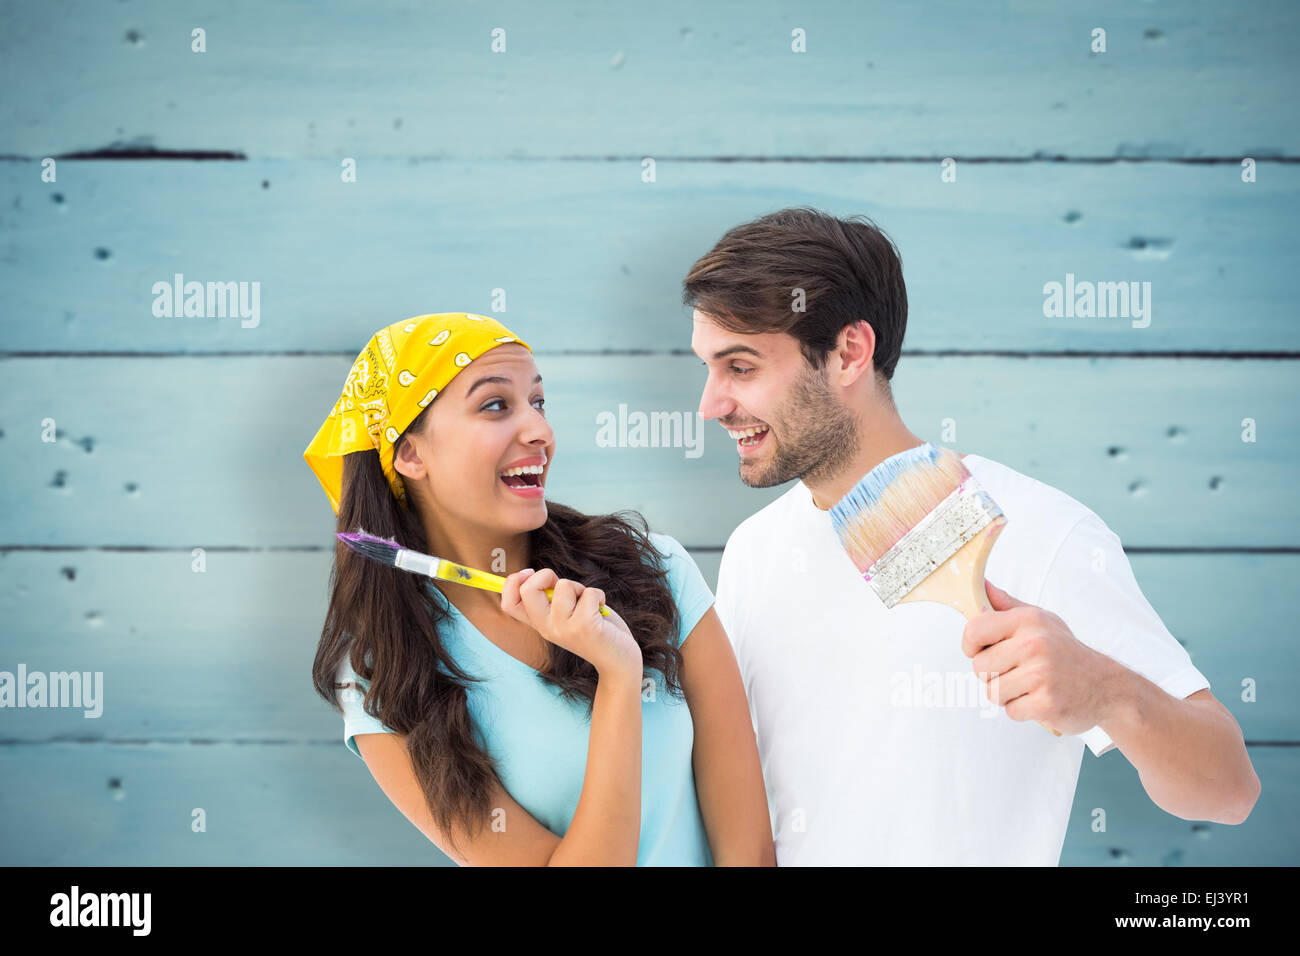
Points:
(1090, 586)
(689, 589)
(355, 719)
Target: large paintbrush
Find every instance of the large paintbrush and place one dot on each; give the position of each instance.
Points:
(913, 514)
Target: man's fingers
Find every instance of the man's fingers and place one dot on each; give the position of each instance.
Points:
(1000, 599)
(1004, 688)
(1000, 656)
(982, 631)
(988, 628)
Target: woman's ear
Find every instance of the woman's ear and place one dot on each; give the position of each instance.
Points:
(407, 461)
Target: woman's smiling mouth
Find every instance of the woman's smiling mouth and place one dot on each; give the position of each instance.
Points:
(524, 477)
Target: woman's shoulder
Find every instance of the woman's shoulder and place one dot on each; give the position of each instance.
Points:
(346, 675)
(689, 588)
(660, 539)
(677, 557)
(668, 547)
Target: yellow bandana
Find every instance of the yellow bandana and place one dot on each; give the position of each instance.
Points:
(400, 371)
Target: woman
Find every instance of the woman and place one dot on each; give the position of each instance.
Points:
(513, 730)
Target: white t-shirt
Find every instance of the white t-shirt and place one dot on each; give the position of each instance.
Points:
(878, 743)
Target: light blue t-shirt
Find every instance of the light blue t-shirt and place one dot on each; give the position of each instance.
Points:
(540, 739)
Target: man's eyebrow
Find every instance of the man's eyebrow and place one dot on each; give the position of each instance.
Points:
(732, 350)
(497, 379)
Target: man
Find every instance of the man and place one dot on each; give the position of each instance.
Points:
(908, 735)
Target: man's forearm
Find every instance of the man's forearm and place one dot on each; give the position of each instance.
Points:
(1189, 753)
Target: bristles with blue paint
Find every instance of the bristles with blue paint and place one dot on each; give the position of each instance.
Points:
(889, 522)
(389, 552)
(914, 513)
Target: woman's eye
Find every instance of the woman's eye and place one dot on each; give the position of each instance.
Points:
(499, 401)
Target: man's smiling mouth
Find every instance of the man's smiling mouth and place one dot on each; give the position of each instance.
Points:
(748, 437)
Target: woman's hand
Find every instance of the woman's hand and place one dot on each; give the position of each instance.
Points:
(572, 619)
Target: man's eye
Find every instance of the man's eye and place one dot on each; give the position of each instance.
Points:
(735, 368)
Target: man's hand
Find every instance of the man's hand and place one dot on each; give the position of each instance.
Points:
(1033, 665)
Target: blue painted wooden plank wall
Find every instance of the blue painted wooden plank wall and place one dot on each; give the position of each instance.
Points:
(522, 171)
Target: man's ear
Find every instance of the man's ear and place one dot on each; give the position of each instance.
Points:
(858, 340)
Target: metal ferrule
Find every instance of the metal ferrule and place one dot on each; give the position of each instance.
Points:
(417, 562)
(935, 539)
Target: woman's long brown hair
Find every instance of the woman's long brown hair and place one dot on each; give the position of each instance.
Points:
(389, 622)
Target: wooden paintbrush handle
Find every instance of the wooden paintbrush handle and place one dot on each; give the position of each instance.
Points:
(959, 581)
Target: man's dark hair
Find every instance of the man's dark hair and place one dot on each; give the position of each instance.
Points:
(848, 270)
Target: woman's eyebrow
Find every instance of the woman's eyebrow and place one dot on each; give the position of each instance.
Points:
(497, 379)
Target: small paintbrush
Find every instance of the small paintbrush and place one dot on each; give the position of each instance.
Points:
(384, 551)
(914, 513)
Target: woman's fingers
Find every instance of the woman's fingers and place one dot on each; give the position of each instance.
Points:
(532, 594)
(523, 597)
(511, 600)
(617, 620)
(564, 599)
(590, 601)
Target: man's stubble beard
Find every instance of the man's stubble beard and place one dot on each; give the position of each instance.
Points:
(819, 436)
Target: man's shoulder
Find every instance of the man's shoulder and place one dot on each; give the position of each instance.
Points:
(1040, 520)
(1026, 497)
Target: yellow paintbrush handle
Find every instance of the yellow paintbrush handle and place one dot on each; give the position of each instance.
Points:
(459, 573)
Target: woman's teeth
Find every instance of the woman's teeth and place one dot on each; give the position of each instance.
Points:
(525, 476)
(523, 470)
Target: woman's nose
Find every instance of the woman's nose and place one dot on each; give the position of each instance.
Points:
(538, 430)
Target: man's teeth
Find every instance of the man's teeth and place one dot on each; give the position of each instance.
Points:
(524, 470)
(747, 432)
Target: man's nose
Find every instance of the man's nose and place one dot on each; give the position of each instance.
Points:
(713, 402)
